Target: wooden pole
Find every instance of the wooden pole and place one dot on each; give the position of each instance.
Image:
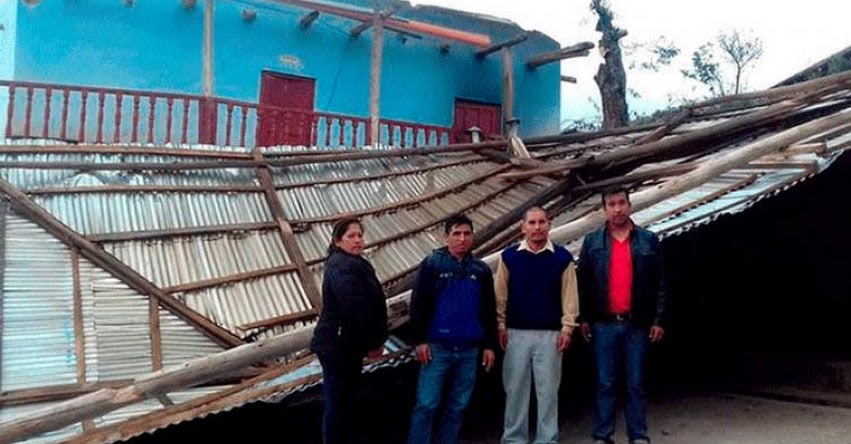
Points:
(578, 50)
(375, 81)
(507, 85)
(490, 50)
(208, 49)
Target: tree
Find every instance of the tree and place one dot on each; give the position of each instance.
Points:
(611, 76)
(712, 62)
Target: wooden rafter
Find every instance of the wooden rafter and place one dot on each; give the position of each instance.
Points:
(308, 19)
(506, 44)
(308, 281)
(578, 50)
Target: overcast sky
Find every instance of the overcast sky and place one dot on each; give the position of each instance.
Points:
(795, 34)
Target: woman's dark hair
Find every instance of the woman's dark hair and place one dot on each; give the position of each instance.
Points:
(340, 228)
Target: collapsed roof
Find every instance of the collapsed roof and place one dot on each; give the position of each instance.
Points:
(148, 285)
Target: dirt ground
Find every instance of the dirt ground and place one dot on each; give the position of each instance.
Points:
(729, 419)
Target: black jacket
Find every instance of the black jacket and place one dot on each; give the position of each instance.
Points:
(648, 285)
(434, 276)
(354, 310)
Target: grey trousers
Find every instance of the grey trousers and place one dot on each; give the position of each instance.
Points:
(531, 354)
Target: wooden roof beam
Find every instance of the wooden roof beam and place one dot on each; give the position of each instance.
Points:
(578, 50)
(568, 79)
(507, 44)
(308, 20)
(395, 24)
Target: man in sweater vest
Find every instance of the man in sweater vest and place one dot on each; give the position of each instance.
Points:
(622, 295)
(537, 305)
(452, 320)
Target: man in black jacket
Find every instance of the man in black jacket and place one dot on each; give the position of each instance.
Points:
(622, 303)
(453, 314)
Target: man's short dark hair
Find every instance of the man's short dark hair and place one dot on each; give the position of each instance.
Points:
(456, 219)
(612, 191)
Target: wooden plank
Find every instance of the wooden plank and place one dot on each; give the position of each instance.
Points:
(156, 335)
(230, 279)
(124, 189)
(127, 236)
(79, 331)
(286, 231)
(666, 129)
(568, 79)
(281, 320)
(112, 265)
(499, 46)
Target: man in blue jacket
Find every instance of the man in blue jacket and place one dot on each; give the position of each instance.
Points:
(622, 301)
(452, 317)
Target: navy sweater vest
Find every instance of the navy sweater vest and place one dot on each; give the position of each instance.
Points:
(534, 288)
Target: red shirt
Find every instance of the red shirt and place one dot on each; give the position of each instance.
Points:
(620, 277)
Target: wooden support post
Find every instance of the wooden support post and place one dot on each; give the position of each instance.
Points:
(507, 85)
(155, 334)
(264, 175)
(79, 331)
(375, 81)
(208, 48)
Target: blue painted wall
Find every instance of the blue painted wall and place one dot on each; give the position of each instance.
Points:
(156, 45)
(9, 19)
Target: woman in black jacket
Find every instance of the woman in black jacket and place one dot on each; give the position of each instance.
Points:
(352, 325)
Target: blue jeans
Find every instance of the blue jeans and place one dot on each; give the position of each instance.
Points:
(455, 371)
(341, 378)
(615, 344)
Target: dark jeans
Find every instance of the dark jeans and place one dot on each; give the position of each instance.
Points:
(618, 343)
(451, 371)
(341, 376)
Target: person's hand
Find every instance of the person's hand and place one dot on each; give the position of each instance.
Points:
(503, 338)
(585, 329)
(375, 354)
(423, 354)
(488, 359)
(656, 333)
(563, 341)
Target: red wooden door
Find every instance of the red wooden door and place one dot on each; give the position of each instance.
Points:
(285, 115)
(469, 114)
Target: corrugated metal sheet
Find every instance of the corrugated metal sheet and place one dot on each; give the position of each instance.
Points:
(122, 336)
(111, 213)
(250, 301)
(182, 342)
(38, 309)
(190, 259)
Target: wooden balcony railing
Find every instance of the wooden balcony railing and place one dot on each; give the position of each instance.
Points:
(79, 114)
